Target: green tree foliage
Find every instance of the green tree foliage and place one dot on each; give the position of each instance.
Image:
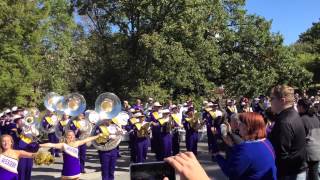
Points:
(307, 50)
(20, 35)
(167, 49)
(188, 47)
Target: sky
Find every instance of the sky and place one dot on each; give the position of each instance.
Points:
(289, 17)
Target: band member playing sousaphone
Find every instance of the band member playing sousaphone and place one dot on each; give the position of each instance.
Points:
(71, 163)
(108, 105)
(28, 142)
(177, 124)
(142, 133)
(107, 146)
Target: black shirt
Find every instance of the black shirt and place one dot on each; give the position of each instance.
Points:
(288, 139)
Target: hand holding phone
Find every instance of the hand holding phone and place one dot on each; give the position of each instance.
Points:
(152, 171)
(188, 167)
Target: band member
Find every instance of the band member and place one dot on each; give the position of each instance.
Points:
(10, 158)
(48, 122)
(126, 106)
(216, 119)
(25, 164)
(75, 127)
(231, 108)
(7, 119)
(141, 131)
(108, 158)
(15, 129)
(191, 125)
(132, 136)
(63, 123)
(138, 105)
(165, 134)
(71, 162)
(177, 123)
(155, 140)
(244, 105)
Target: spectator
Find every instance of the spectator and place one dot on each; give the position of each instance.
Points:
(287, 135)
(312, 128)
(254, 158)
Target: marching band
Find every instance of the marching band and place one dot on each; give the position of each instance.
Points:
(68, 127)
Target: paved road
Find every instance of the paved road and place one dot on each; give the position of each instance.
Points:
(122, 169)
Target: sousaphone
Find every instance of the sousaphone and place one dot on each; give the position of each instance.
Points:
(108, 106)
(74, 104)
(111, 139)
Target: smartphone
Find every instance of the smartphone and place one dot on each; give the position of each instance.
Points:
(152, 171)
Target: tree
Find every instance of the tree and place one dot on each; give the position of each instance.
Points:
(20, 35)
(307, 50)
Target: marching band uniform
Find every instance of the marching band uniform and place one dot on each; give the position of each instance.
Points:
(191, 132)
(231, 109)
(25, 164)
(142, 138)
(108, 159)
(155, 140)
(165, 135)
(175, 133)
(75, 127)
(14, 132)
(130, 129)
(62, 124)
(216, 116)
(48, 122)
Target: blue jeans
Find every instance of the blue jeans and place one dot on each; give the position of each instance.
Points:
(300, 176)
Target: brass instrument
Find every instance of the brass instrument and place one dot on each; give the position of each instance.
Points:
(51, 100)
(144, 129)
(74, 104)
(108, 106)
(105, 142)
(83, 125)
(30, 125)
(195, 122)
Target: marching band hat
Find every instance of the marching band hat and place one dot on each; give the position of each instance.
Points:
(137, 115)
(165, 111)
(157, 104)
